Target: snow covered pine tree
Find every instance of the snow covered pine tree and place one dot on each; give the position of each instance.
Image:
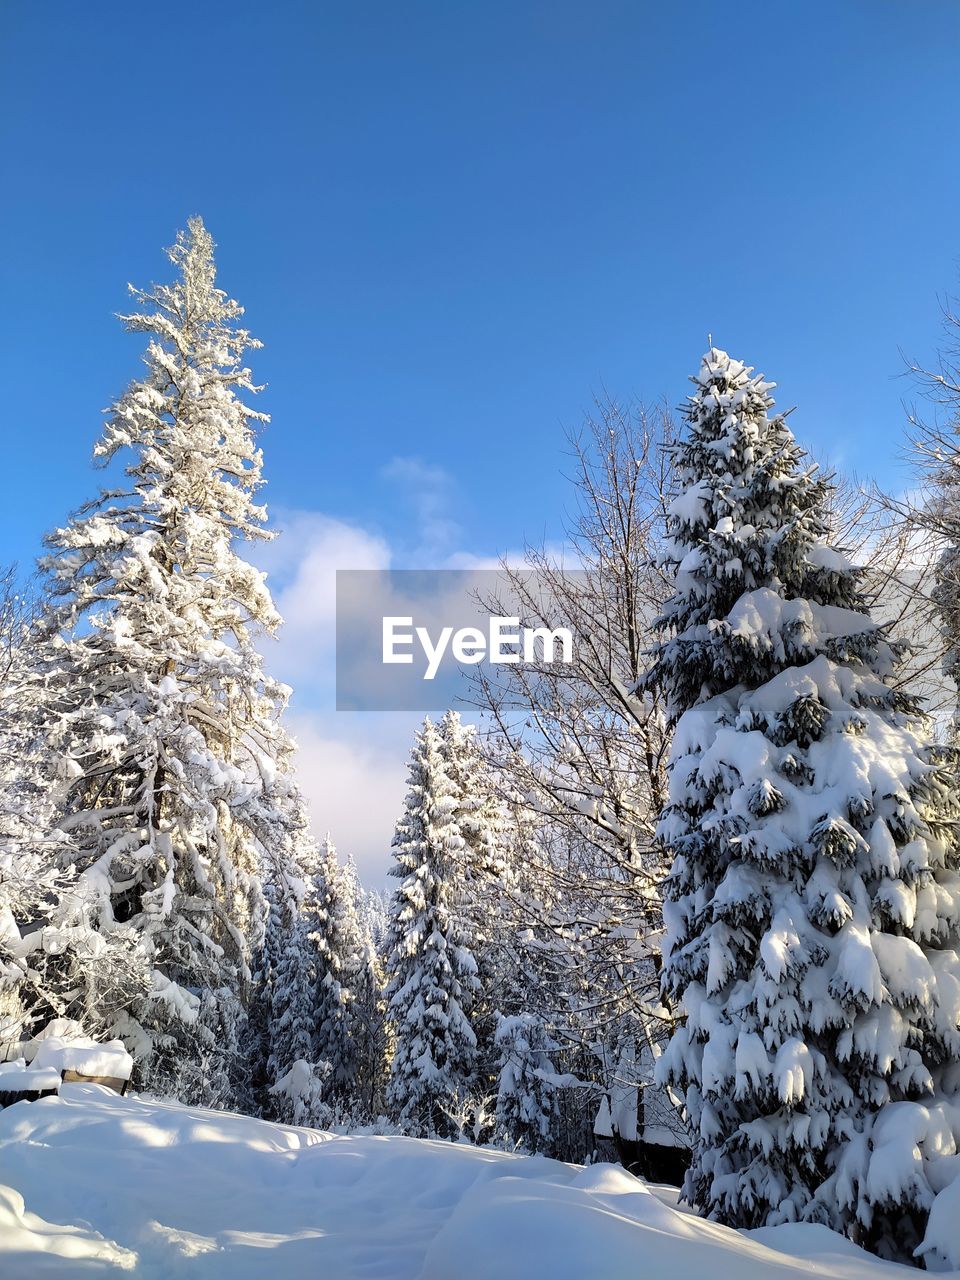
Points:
(363, 978)
(526, 1108)
(431, 969)
(295, 1072)
(333, 927)
(813, 901)
(481, 875)
(150, 689)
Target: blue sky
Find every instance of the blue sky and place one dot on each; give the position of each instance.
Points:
(451, 224)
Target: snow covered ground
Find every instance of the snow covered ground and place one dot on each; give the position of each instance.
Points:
(92, 1184)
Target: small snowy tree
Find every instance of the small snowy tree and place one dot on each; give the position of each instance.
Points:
(813, 902)
(334, 933)
(364, 975)
(432, 972)
(298, 1096)
(150, 693)
(526, 1082)
(293, 984)
(482, 879)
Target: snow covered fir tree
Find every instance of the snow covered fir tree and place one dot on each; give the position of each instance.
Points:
(480, 876)
(432, 972)
(813, 904)
(318, 1035)
(167, 767)
(287, 978)
(334, 929)
(328, 982)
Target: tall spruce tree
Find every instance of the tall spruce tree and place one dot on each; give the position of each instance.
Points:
(150, 691)
(813, 903)
(431, 969)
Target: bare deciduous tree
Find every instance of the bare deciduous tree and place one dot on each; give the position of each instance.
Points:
(916, 560)
(574, 738)
(583, 755)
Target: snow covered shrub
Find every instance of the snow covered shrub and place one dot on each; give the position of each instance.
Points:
(813, 903)
(471, 1115)
(299, 1095)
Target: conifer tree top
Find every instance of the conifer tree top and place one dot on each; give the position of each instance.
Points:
(748, 538)
(167, 538)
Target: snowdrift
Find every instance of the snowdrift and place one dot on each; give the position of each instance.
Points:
(92, 1184)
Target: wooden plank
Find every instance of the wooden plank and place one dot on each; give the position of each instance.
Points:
(112, 1082)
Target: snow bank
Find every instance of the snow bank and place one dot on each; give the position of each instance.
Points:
(101, 1185)
(20, 1077)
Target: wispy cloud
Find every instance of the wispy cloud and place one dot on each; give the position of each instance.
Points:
(430, 493)
(301, 565)
(353, 771)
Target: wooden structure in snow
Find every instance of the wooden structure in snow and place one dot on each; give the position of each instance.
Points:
(62, 1054)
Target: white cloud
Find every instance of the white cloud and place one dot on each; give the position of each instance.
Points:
(301, 565)
(560, 553)
(353, 773)
(352, 766)
(429, 491)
